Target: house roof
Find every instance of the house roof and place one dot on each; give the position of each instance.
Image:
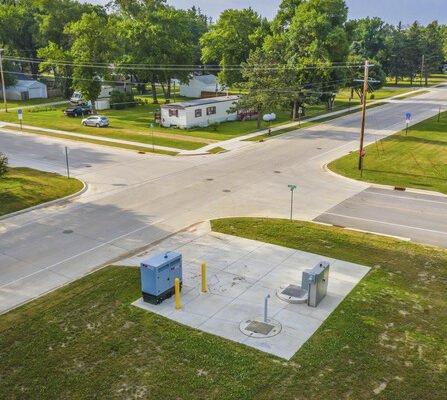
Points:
(205, 79)
(28, 83)
(201, 102)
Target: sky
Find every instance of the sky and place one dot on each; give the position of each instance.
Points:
(392, 11)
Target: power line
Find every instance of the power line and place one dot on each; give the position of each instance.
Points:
(180, 67)
(304, 86)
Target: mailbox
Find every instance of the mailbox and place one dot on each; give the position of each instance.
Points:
(315, 281)
(158, 276)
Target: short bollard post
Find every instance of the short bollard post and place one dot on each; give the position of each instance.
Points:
(204, 278)
(177, 293)
(266, 303)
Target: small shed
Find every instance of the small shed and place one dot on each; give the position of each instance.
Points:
(200, 112)
(27, 89)
(201, 85)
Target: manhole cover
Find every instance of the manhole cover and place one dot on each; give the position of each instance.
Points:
(319, 148)
(260, 327)
(277, 172)
(292, 294)
(88, 166)
(226, 191)
(141, 152)
(210, 179)
(67, 231)
(119, 184)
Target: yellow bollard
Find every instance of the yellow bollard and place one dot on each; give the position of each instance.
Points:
(177, 293)
(204, 278)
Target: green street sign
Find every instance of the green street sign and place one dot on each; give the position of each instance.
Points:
(292, 187)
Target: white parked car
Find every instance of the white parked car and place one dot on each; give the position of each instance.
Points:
(96, 120)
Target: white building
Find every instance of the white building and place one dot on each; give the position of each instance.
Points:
(200, 112)
(200, 86)
(26, 89)
(103, 101)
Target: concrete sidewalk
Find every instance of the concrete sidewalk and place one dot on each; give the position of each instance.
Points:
(92, 137)
(241, 141)
(240, 273)
(230, 144)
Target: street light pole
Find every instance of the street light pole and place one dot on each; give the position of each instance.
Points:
(422, 68)
(364, 97)
(292, 189)
(3, 82)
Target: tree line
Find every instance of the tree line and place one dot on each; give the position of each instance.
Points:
(305, 54)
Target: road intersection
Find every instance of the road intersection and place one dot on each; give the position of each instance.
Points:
(134, 200)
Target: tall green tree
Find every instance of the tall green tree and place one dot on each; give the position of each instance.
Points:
(229, 42)
(285, 14)
(368, 36)
(92, 49)
(262, 84)
(311, 45)
(164, 42)
(18, 31)
(433, 49)
(394, 57)
(414, 50)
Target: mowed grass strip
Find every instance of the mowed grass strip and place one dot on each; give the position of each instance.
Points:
(87, 341)
(133, 124)
(86, 139)
(388, 335)
(418, 160)
(130, 124)
(24, 187)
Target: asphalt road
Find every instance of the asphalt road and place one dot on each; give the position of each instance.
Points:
(413, 216)
(134, 200)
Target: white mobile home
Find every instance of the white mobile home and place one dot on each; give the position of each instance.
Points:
(201, 86)
(200, 112)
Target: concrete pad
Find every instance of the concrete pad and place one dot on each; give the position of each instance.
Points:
(240, 274)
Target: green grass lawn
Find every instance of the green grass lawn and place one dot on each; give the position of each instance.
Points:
(434, 79)
(24, 187)
(133, 124)
(87, 341)
(30, 102)
(418, 160)
(87, 139)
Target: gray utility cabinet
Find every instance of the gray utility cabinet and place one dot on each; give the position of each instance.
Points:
(315, 281)
(158, 276)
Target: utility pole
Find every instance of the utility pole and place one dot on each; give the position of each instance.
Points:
(364, 97)
(3, 82)
(422, 67)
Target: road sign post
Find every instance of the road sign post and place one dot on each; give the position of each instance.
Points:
(152, 133)
(20, 115)
(407, 121)
(66, 160)
(292, 189)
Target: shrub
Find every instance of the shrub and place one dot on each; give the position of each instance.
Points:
(214, 126)
(3, 164)
(117, 101)
(372, 97)
(121, 100)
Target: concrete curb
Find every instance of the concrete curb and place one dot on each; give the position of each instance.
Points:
(381, 186)
(48, 203)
